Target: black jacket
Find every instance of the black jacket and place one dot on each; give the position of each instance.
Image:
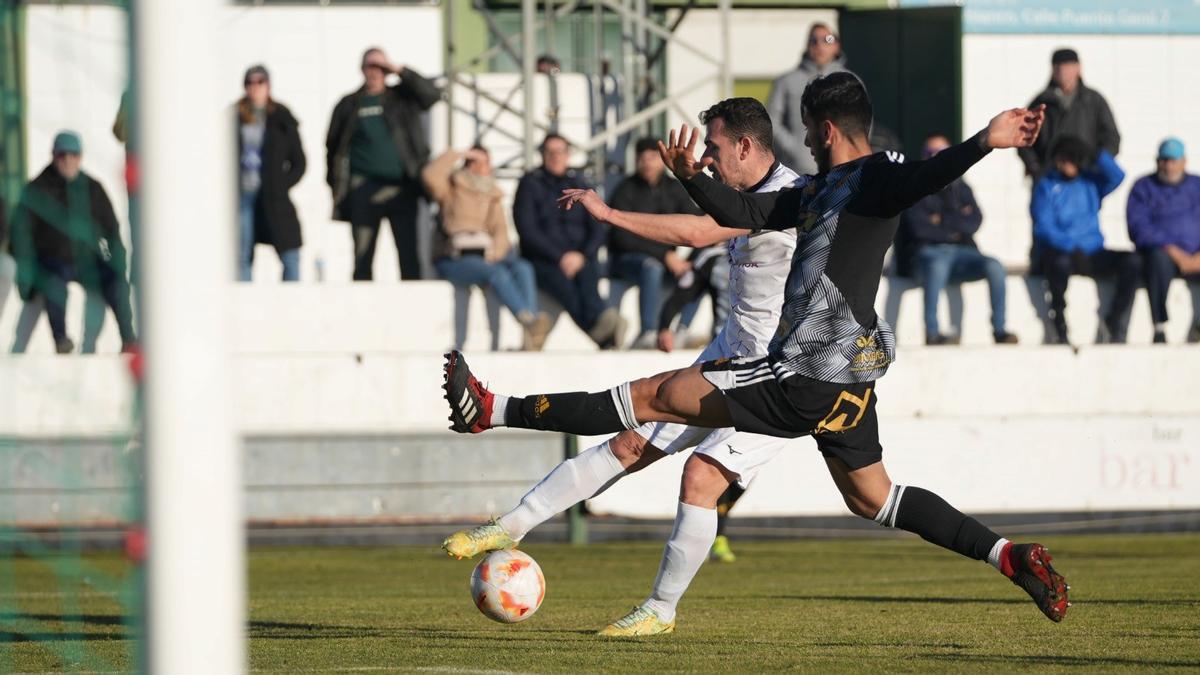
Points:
(68, 225)
(283, 166)
(546, 231)
(402, 108)
(1089, 118)
(950, 216)
(636, 195)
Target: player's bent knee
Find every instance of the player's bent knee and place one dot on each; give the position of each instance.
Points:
(627, 447)
(704, 481)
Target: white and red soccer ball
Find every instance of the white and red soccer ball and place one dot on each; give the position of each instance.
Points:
(508, 586)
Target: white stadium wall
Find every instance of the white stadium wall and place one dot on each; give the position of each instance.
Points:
(994, 430)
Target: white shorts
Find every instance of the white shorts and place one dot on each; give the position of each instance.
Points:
(740, 452)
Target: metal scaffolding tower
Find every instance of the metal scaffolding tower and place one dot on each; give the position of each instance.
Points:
(642, 96)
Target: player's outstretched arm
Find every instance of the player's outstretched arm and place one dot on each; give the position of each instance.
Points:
(728, 207)
(676, 229)
(903, 185)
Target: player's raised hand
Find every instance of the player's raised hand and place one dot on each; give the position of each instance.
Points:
(679, 153)
(588, 199)
(1016, 128)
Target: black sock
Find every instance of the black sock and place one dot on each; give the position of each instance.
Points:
(725, 502)
(923, 513)
(576, 412)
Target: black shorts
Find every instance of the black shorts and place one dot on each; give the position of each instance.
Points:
(840, 417)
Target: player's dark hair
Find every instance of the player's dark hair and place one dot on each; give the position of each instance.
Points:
(646, 144)
(743, 117)
(1072, 149)
(840, 98)
(551, 136)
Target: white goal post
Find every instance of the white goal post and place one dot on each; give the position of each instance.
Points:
(196, 570)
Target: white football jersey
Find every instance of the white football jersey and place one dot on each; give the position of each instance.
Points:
(759, 264)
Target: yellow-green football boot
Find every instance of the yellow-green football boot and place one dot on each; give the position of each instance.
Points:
(479, 539)
(639, 622)
(721, 550)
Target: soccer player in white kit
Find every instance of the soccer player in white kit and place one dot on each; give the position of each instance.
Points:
(740, 142)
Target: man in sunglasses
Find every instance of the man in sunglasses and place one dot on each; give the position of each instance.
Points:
(375, 150)
(64, 229)
(822, 56)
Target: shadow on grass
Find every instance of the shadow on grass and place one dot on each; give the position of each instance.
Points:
(1050, 660)
(13, 627)
(914, 600)
(276, 630)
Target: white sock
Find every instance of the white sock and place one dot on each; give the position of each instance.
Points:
(686, 550)
(994, 555)
(887, 515)
(1160, 328)
(499, 405)
(570, 482)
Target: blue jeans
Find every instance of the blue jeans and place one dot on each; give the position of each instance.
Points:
(646, 273)
(1160, 270)
(510, 277)
(290, 258)
(941, 264)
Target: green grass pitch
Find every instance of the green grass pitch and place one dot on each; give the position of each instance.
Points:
(847, 605)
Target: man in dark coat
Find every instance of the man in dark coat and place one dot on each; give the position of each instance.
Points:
(64, 229)
(1072, 109)
(375, 150)
(563, 245)
(936, 245)
(272, 163)
(640, 261)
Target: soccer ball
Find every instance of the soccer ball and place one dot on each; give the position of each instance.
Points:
(508, 586)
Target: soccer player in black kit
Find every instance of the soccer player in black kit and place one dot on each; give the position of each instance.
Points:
(818, 377)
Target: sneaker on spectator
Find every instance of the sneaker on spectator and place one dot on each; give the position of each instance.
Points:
(1006, 338)
(940, 340)
(1160, 338)
(537, 329)
(1193, 335)
(64, 346)
(609, 331)
(646, 340)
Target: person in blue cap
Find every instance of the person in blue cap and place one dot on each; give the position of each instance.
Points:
(64, 229)
(1163, 214)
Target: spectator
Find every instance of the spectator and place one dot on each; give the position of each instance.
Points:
(1066, 233)
(941, 250)
(271, 163)
(1163, 214)
(638, 260)
(375, 149)
(472, 243)
(1072, 109)
(822, 57)
(65, 230)
(547, 65)
(708, 273)
(562, 244)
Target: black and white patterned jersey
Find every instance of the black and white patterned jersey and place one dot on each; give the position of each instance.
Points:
(845, 221)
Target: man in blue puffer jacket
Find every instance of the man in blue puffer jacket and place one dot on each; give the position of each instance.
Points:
(1066, 233)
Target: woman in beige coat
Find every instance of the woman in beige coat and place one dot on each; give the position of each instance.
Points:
(472, 246)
